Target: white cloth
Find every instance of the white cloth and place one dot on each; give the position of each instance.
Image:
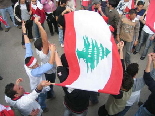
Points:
(133, 98)
(34, 81)
(44, 59)
(26, 103)
(147, 29)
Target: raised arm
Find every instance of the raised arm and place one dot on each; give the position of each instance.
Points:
(43, 36)
(29, 52)
(147, 78)
(57, 60)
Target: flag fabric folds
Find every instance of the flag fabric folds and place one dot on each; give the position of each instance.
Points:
(150, 18)
(92, 55)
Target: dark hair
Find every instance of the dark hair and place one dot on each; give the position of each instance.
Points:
(127, 82)
(27, 60)
(132, 69)
(9, 92)
(63, 1)
(112, 3)
(38, 44)
(140, 3)
(132, 11)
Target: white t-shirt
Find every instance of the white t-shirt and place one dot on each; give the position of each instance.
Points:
(26, 103)
(44, 59)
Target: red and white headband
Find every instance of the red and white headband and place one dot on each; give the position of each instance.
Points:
(32, 62)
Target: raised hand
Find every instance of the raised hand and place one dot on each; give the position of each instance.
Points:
(18, 81)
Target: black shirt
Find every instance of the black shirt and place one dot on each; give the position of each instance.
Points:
(150, 103)
(77, 100)
(59, 10)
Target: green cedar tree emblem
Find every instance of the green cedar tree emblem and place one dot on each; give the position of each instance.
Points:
(92, 53)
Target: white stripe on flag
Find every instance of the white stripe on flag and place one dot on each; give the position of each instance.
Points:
(100, 32)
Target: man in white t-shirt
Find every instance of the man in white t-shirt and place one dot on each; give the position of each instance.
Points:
(44, 54)
(146, 36)
(25, 102)
(36, 72)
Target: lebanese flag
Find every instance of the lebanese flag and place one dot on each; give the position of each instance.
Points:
(92, 55)
(2, 20)
(85, 2)
(150, 18)
(6, 111)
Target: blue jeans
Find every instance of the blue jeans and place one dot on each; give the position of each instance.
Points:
(41, 100)
(142, 111)
(122, 113)
(70, 113)
(61, 36)
(4, 15)
(36, 30)
(128, 47)
(145, 37)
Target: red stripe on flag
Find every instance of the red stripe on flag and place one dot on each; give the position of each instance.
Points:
(85, 3)
(70, 50)
(132, 5)
(115, 80)
(150, 18)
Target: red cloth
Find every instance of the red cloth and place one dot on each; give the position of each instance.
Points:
(127, 9)
(40, 13)
(150, 18)
(6, 111)
(111, 28)
(105, 18)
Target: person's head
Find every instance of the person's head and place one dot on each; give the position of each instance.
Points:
(13, 90)
(127, 82)
(22, 1)
(132, 14)
(38, 44)
(34, 2)
(63, 2)
(31, 62)
(96, 3)
(132, 69)
(140, 5)
(111, 3)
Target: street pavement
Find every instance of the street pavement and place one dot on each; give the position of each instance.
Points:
(12, 68)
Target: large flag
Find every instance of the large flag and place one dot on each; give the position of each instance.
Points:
(150, 17)
(92, 55)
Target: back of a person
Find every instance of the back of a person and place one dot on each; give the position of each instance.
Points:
(114, 106)
(76, 100)
(113, 17)
(34, 81)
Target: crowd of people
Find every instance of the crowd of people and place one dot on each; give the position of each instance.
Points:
(129, 31)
